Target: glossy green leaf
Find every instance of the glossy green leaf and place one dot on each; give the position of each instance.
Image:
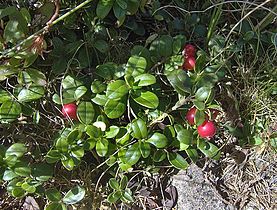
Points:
(62, 144)
(146, 99)
(102, 147)
(68, 163)
(208, 149)
(77, 152)
(37, 77)
(202, 93)
(114, 109)
(158, 140)
(22, 169)
(136, 65)
(178, 43)
(100, 100)
(200, 117)
(93, 131)
(185, 137)
(145, 149)
(106, 70)
(98, 86)
(85, 112)
(199, 105)
(42, 171)
(123, 182)
(139, 129)
(70, 82)
(9, 175)
(161, 47)
(180, 81)
(114, 196)
(74, 195)
(177, 161)
(79, 92)
(31, 93)
(145, 80)
(112, 132)
(127, 195)
(16, 149)
(18, 192)
(4, 96)
(114, 184)
(53, 194)
(13, 31)
(53, 156)
(132, 154)
(123, 136)
(117, 89)
(159, 155)
(9, 111)
(103, 8)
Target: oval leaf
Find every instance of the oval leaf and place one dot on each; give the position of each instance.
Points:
(177, 161)
(146, 98)
(158, 140)
(74, 195)
(85, 112)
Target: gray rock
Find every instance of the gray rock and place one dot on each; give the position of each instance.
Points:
(195, 192)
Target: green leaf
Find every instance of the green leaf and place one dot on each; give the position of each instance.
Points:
(42, 171)
(127, 195)
(62, 144)
(180, 81)
(123, 182)
(16, 149)
(161, 47)
(55, 206)
(22, 169)
(85, 112)
(158, 140)
(53, 156)
(192, 154)
(208, 149)
(100, 100)
(103, 8)
(36, 76)
(11, 160)
(132, 154)
(77, 152)
(18, 192)
(79, 92)
(4, 96)
(202, 93)
(119, 13)
(106, 70)
(199, 105)
(145, 80)
(114, 184)
(123, 136)
(53, 194)
(177, 161)
(141, 51)
(70, 83)
(200, 117)
(13, 31)
(114, 109)
(112, 132)
(136, 65)
(102, 147)
(68, 163)
(101, 45)
(114, 196)
(184, 136)
(117, 89)
(145, 149)
(9, 175)
(9, 111)
(159, 155)
(74, 195)
(98, 86)
(178, 43)
(139, 129)
(93, 131)
(31, 93)
(146, 99)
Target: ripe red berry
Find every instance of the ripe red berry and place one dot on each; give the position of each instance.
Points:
(189, 63)
(70, 111)
(189, 50)
(191, 115)
(207, 129)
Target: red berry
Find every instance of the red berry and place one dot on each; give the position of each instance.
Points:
(189, 50)
(189, 63)
(70, 111)
(207, 129)
(191, 115)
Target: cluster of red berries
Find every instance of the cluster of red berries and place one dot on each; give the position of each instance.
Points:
(207, 129)
(189, 57)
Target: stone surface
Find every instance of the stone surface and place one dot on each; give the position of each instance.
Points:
(195, 192)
